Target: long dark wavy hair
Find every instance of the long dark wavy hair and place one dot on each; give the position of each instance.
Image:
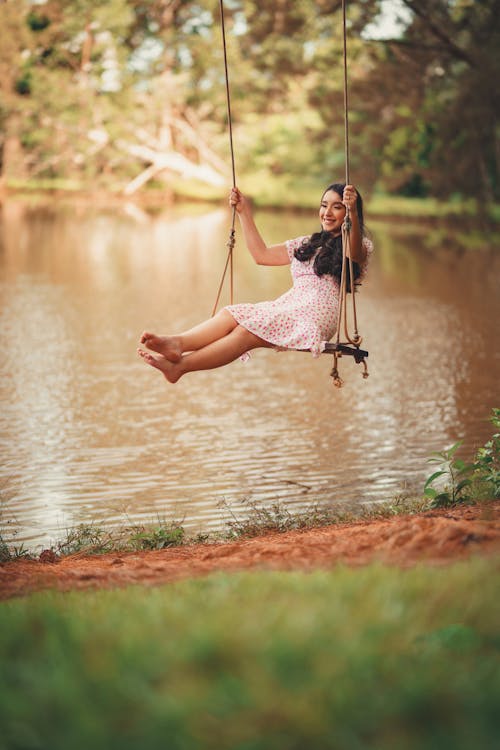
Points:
(327, 248)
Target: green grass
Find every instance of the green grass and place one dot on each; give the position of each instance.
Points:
(397, 205)
(243, 519)
(247, 518)
(347, 659)
(48, 184)
(283, 192)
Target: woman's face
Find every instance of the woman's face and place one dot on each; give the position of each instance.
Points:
(331, 212)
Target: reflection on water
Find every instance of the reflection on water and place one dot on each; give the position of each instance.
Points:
(90, 433)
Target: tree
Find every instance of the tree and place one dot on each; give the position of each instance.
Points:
(434, 88)
(87, 86)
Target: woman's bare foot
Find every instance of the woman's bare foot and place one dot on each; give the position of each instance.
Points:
(169, 369)
(169, 346)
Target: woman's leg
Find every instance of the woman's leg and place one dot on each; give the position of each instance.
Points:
(216, 354)
(172, 347)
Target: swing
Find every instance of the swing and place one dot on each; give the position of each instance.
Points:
(350, 347)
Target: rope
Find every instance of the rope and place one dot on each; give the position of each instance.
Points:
(355, 339)
(228, 94)
(346, 98)
(231, 241)
(346, 237)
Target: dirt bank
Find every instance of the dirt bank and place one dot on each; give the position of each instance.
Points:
(436, 537)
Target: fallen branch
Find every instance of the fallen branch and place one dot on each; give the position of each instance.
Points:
(171, 161)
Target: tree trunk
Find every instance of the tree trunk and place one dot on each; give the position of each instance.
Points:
(13, 157)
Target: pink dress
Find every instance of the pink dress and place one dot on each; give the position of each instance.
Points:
(305, 317)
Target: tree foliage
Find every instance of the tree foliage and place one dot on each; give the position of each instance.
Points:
(434, 89)
(87, 85)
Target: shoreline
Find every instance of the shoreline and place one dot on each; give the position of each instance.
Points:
(378, 207)
(435, 537)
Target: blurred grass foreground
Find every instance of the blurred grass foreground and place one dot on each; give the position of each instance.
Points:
(376, 657)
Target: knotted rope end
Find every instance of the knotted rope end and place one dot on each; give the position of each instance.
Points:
(337, 380)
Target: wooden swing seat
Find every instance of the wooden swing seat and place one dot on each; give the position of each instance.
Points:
(353, 351)
(330, 347)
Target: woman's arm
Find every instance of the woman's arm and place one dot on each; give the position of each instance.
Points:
(358, 250)
(272, 255)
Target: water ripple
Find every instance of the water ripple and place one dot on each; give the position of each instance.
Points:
(88, 432)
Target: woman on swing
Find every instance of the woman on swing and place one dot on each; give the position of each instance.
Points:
(305, 317)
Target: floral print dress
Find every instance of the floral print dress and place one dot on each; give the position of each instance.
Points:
(305, 317)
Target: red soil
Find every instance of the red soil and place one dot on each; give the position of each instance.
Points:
(436, 537)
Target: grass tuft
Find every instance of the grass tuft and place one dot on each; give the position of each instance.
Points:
(9, 552)
(244, 519)
(90, 539)
(247, 518)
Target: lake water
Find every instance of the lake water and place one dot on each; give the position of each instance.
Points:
(91, 433)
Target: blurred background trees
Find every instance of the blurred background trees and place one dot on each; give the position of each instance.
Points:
(118, 92)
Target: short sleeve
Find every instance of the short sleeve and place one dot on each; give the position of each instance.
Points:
(293, 245)
(368, 245)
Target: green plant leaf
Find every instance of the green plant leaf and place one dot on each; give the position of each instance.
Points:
(451, 451)
(433, 477)
(436, 458)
